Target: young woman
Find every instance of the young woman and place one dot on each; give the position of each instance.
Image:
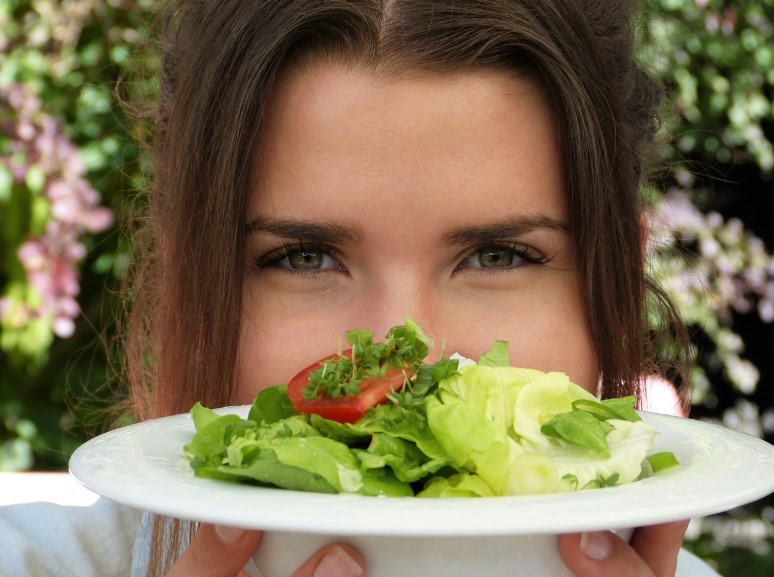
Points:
(329, 165)
(324, 165)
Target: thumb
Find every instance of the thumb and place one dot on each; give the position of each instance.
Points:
(216, 551)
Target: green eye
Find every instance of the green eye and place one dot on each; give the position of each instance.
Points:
(495, 258)
(299, 258)
(306, 259)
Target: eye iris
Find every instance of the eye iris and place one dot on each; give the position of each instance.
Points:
(495, 258)
(306, 259)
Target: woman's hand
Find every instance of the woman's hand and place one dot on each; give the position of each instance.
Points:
(651, 553)
(219, 551)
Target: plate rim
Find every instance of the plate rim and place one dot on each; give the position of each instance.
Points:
(191, 498)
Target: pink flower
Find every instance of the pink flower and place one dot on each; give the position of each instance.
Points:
(64, 327)
(97, 219)
(51, 259)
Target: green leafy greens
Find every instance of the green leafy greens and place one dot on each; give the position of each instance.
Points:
(482, 429)
(404, 348)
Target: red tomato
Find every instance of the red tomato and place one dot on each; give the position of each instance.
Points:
(347, 408)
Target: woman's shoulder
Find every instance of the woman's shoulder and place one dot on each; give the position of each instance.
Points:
(52, 527)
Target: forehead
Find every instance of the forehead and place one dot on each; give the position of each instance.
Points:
(329, 94)
(332, 130)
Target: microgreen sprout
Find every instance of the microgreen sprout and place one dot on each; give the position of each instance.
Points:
(404, 347)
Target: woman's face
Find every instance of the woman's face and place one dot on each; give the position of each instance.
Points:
(436, 197)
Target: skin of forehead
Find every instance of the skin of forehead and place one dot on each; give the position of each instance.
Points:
(385, 111)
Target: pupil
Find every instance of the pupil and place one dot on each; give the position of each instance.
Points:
(495, 258)
(306, 259)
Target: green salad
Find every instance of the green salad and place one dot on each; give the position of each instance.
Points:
(376, 420)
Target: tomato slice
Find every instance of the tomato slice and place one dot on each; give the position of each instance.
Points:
(347, 408)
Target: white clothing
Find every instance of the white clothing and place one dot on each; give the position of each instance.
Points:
(46, 539)
(79, 535)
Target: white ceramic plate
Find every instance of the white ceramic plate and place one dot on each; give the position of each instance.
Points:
(143, 466)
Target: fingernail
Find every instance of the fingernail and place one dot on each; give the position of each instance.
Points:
(229, 535)
(596, 545)
(337, 563)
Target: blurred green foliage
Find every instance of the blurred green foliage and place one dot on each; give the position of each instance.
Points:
(66, 146)
(716, 59)
(69, 158)
(718, 56)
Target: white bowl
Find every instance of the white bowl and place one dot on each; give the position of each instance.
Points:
(142, 466)
(393, 556)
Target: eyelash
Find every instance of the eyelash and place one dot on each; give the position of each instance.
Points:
(272, 258)
(528, 254)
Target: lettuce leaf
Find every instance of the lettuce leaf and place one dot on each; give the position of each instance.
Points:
(465, 429)
(525, 432)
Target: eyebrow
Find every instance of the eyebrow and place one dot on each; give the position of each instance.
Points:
(322, 232)
(504, 228)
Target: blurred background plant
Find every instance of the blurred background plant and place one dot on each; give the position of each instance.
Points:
(70, 168)
(712, 237)
(69, 163)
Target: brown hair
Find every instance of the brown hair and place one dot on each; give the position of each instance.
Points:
(221, 59)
